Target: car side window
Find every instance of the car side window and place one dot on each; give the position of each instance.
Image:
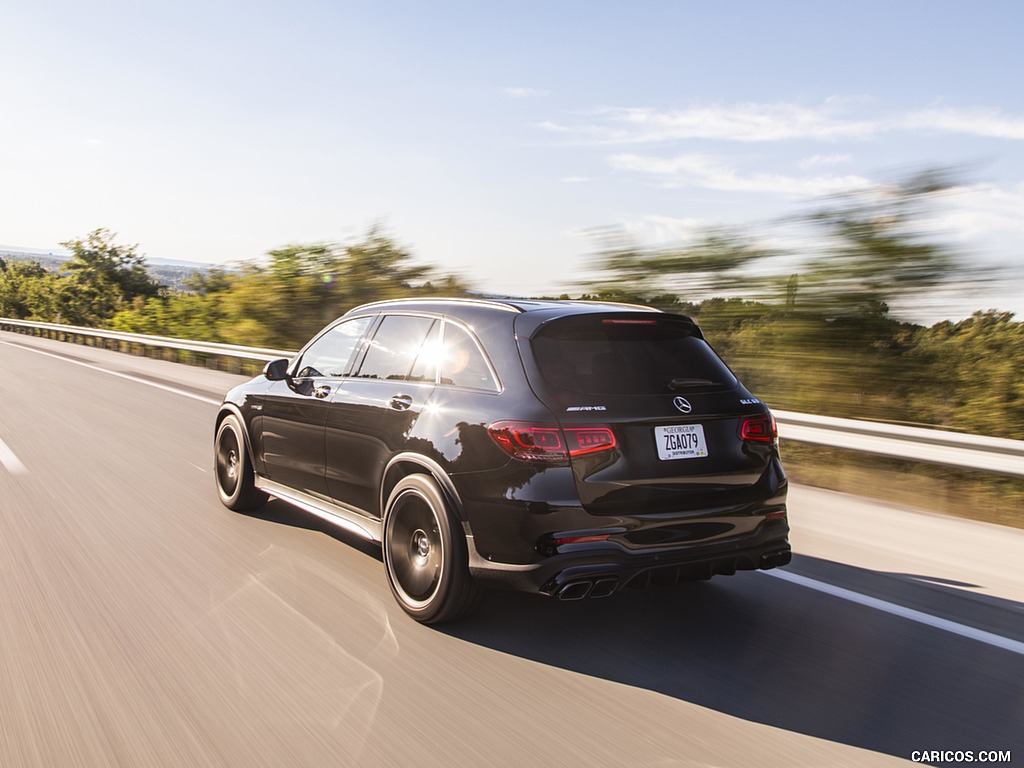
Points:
(425, 367)
(462, 362)
(395, 348)
(331, 354)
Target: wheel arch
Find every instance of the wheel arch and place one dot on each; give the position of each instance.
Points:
(230, 409)
(408, 463)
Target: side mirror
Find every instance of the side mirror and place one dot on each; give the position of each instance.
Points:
(277, 370)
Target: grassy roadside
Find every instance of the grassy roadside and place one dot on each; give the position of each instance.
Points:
(964, 493)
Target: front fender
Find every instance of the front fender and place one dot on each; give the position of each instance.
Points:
(232, 409)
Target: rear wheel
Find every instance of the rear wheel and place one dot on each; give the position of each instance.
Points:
(425, 553)
(236, 481)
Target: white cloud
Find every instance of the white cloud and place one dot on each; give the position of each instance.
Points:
(772, 122)
(708, 172)
(663, 230)
(985, 212)
(978, 121)
(651, 228)
(743, 123)
(820, 161)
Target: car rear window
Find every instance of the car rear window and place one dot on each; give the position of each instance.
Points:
(627, 356)
(463, 364)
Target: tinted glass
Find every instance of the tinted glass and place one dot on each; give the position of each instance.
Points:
(331, 354)
(599, 356)
(462, 362)
(425, 367)
(395, 348)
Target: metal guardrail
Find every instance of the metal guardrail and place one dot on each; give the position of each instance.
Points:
(933, 446)
(74, 332)
(993, 454)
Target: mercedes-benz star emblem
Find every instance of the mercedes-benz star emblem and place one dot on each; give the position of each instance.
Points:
(682, 404)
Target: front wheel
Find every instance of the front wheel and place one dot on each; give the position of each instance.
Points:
(236, 481)
(425, 553)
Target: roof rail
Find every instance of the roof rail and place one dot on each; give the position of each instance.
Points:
(494, 304)
(507, 304)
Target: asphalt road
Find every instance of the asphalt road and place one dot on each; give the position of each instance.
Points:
(142, 624)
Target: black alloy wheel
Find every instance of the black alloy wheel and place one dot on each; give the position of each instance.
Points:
(236, 483)
(425, 553)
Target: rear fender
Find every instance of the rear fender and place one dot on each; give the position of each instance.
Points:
(397, 468)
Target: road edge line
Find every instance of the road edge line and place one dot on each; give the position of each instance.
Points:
(980, 635)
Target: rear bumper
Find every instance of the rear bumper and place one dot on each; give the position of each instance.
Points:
(598, 570)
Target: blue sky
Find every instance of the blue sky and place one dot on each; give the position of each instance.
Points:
(489, 138)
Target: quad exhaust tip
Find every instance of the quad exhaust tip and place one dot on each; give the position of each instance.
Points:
(776, 559)
(577, 590)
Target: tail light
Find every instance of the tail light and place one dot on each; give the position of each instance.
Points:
(548, 442)
(760, 428)
(582, 440)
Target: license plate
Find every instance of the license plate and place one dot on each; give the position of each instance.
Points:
(683, 441)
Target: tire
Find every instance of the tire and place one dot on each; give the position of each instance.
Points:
(232, 468)
(425, 553)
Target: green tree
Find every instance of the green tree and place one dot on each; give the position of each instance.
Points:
(180, 314)
(27, 291)
(718, 262)
(101, 278)
(208, 283)
(974, 380)
(877, 249)
(282, 302)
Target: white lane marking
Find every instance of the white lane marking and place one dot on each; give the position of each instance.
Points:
(127, 376)
(1014, 646)
(10, 461)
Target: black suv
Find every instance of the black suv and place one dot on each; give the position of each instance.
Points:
(562, 447)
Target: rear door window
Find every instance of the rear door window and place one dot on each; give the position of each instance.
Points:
(627, 356)
(427, 358)
(395, 349)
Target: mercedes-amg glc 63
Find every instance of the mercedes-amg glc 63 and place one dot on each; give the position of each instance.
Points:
(563, 447)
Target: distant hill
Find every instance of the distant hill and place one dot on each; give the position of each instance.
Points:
(49, 260)
(168, 272)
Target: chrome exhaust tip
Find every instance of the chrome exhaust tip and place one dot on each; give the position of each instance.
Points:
(776, 559)
(604, 587)
(575, 590)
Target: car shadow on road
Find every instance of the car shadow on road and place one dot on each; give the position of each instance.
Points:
(772, 652)
(776, 653)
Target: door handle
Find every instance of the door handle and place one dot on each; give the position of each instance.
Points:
(322, 391)
(400, 402)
